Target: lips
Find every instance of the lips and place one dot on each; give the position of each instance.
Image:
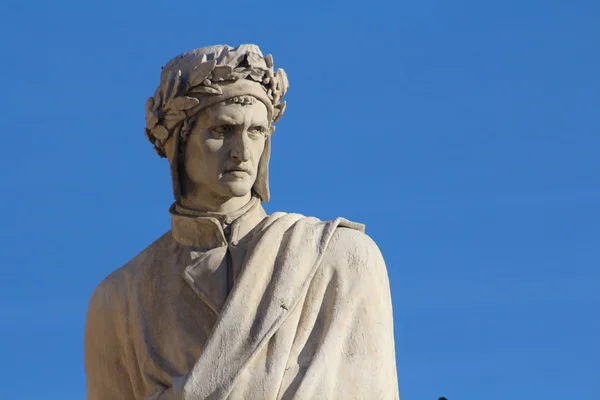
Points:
(237, 170)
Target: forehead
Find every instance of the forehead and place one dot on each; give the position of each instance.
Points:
(238, 113)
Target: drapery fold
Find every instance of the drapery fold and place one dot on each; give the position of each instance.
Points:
(309, 317)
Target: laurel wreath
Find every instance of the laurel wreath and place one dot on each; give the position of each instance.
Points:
(176, 99)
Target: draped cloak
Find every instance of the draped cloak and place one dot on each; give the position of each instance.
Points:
(271, 307)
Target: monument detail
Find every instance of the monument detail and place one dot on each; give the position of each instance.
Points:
(232, 303)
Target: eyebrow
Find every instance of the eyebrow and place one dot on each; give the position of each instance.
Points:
(224, 120)
(220, 119)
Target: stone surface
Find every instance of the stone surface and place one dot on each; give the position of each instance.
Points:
(232, 303)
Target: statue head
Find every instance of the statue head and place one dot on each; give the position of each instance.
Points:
(212, 117)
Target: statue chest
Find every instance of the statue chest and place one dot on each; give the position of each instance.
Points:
(175, 305)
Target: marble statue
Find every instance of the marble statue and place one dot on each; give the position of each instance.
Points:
(233, 303)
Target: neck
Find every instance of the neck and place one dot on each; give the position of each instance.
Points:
(221, 205)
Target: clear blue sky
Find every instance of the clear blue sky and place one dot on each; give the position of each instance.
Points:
(465, 134)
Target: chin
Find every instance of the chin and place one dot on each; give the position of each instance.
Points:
(238, 189)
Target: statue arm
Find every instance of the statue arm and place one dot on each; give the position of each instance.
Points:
(378, 314)
(104, 353)
(106, 356)
(368, 305)
(350, 353)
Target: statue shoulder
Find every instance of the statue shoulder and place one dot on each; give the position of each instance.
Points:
(350, 239)
(352, 250)
(113, 290)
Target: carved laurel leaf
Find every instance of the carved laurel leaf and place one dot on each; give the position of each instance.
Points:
(149, 104)
(160, 151)
(172, 119)
(269, 61)
(256, 74)
(200, 90)
(175, 115)
(239, 74)
(171, 124)
(174, 86)
(157, 100)
(193, 111)
(151, 119)
(280, 110)
(276, 97)
(221, 72)
(256, 61)
(183, 103)
(200, 73)
(167, 85)
(160, 132)
(221, 54)
(232, 58)
(284, 84)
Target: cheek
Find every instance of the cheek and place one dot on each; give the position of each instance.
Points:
(213, 146)
(256, 149)
(204, 151)
(200, 158)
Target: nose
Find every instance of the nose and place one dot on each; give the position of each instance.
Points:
(240, 150)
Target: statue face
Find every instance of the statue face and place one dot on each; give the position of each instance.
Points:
(224, 148)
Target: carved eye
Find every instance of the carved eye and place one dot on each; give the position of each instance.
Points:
(257, 131)
(221, 131)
